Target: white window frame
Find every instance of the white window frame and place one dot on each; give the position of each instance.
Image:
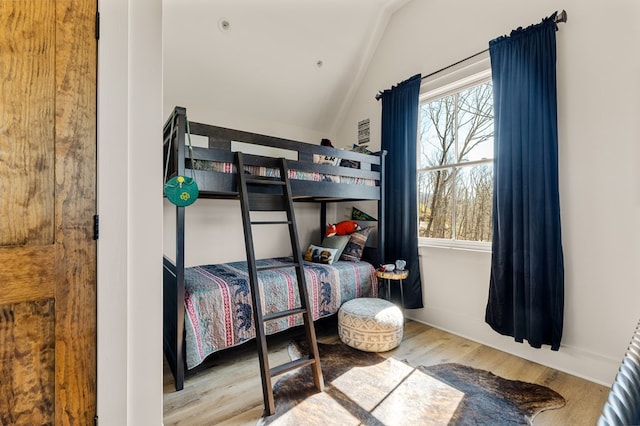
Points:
(474, 71)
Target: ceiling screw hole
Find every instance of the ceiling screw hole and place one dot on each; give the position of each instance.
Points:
(224, 25)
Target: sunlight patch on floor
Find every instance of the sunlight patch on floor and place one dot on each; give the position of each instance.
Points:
(396, 393)
(422, 400)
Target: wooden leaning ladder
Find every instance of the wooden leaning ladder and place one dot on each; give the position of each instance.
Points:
(258, 194)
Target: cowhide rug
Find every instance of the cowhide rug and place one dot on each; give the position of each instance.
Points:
(364, 388)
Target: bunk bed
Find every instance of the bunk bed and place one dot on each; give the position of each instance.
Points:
(188, 308)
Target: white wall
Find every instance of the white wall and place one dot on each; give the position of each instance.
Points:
(130, 208)
(599, 105)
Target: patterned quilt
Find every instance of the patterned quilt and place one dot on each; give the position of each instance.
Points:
(218, 299)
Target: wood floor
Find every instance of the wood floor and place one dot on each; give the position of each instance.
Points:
(227, 390)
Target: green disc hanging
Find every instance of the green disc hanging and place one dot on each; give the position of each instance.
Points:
(181, 190)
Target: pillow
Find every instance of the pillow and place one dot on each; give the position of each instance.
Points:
(345, 227)
(325, 159)
(350, 164)
(354, 248)
(337, 242)
(320, 254)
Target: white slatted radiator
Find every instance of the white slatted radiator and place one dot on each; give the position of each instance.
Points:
(623, 405)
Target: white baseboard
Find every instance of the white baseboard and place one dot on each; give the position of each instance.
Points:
(573, 360)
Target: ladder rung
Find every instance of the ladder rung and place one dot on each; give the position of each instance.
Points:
(266, 181)
(268, 267)
(283, 314)
(292, 365)
(271, 222)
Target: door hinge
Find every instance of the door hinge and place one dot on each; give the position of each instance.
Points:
(96, 226)
(97, 25)
(95, 421)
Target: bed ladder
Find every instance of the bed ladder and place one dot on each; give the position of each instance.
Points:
(274, 194)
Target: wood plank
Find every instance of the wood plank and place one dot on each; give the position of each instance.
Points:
(75, 205)
(27, 368)
(27, 34)
(30, 276)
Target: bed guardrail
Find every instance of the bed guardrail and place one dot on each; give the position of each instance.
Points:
(349, 167)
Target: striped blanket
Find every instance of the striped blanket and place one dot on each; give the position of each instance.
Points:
(218, 299)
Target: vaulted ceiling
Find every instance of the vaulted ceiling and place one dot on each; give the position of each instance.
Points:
(294, 62)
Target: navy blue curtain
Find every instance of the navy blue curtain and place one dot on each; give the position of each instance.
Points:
(399, 138)
(526, 291)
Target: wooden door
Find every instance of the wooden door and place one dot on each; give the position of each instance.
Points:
(47, 201)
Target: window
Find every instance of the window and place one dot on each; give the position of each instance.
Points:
(455, 161)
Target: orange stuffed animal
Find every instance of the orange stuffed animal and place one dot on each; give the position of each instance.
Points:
(345, 227)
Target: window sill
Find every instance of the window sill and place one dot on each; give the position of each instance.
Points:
(480, 246)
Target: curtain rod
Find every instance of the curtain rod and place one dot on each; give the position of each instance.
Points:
(560, 17)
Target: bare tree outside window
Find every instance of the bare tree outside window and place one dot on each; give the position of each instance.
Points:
(455, 170)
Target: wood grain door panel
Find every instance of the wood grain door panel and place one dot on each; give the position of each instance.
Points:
(27, 64)
(48, 54)
(27, 273)
(28, 340)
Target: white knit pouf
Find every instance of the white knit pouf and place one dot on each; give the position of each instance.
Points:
(371, 325)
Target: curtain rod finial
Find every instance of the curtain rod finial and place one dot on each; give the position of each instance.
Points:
(562, 16)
